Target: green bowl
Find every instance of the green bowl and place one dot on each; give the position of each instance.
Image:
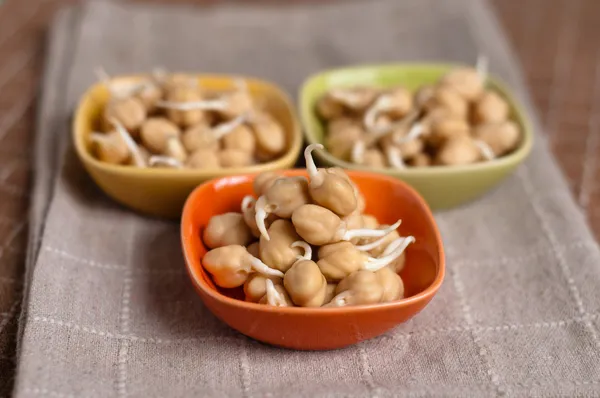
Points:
(442, 187)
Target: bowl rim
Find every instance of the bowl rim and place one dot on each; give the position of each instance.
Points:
(515, 157)
(199, 282)
(289, 157)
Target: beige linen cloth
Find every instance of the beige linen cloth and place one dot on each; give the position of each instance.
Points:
(110, 310)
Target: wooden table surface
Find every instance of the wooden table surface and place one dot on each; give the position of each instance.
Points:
(557, 41)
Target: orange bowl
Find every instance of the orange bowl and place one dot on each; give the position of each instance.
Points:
(388, 199)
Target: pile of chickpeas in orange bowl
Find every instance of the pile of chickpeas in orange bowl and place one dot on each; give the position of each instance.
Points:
(306, 242)
(455, 121)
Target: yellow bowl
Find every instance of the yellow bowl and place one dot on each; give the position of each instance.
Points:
(442, 186)
(162, 191)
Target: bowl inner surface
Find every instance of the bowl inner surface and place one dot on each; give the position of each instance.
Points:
(386, 199)
(410, 76)
(268, 98)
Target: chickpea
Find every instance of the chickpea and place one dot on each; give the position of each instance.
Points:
(255, 287)
(263, 181)
(281, 199)
(446, 97)
(129, 112)
(393, 287)
(269, 135)
(329, 292)
(305, 284)
(320, 226)
(360, 199)
(276, 295)
(227, 229)
(253, 249)
(137, 157)
(489, 108)
(359, 288)
(500, 137)
(110, 147)
(371, 157)
(278, 252)
(240, 138)
(235, 158)
(339, 140)
(203, 136)
(459, 151)
(340, 101)
(203, 159)
(444, 129)
(329, 189)
(180, 104)
(156, 131)
(230, 266)
(420, 160)
(395, 103)
(465, 81)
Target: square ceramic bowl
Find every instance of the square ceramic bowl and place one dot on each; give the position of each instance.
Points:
(388, 199)
(442, 186)
(162, 191)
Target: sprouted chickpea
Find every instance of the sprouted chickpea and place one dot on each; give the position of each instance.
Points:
(489, 108)
(281, 199)
(447, 98)
(227, 229)
(391, 283)
(110, 147)
(240, 139)
(235, 158)
(203, 136)
(371, 157)
(395, 103)
(255, 287)
(359, 288)
(320, 226)
(203, 159)
(263, 181)
(230, 266)
(468, 82)
(136, 155)
(459, 151)
(269, 136)
(280, 252)
(156, 131)
(305, 284)
(342, 137)
(340, 101)
(346, 258)
(328, 188)
(276, 295)
(501, 137)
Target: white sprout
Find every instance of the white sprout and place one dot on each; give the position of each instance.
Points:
(340, 300)
(370, 246)
(263, 268)
(358, 152)
(383, 103)
(225, 128)
(369, 233)
(375, 264)
(485, 150)
(415, 131)
(166, 161)
(395, 243)
(274, 298)
(307, 250)
(193, 105)
(394, 157)
(311, 167)
(138, 159)
(123, 90)
(248, 202)
(261, 215)
(345, 96)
